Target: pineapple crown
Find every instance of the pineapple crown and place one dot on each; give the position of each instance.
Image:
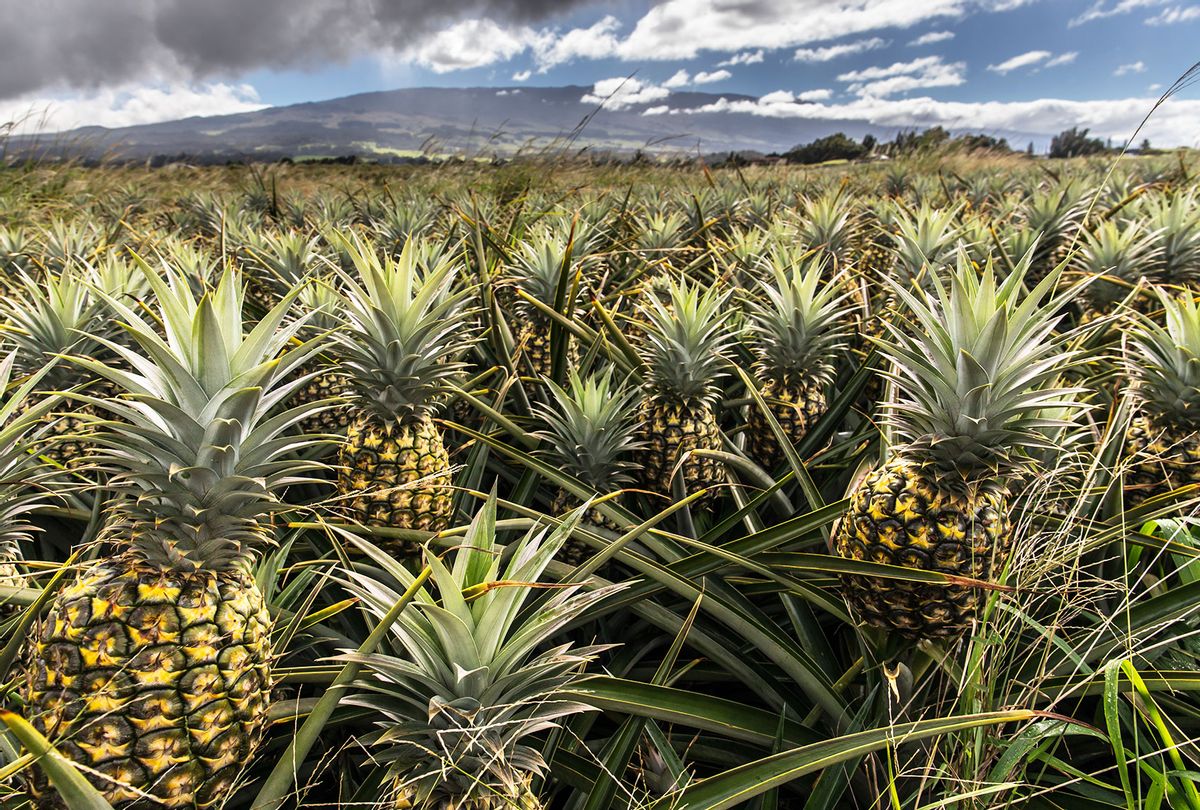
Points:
(978, 374)
(591, 428)
(925, 238)
(286, 258)
(830, 225)
(465, 676)
(22, 470)
(543, 262)
(60, 314)
(660, 231)
(688, 337)
(1176, 220)
(1164, 360)
(1119, 257)
(197, 447)
(405, 326)
(798, 323)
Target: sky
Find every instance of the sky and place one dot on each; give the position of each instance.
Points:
(1034, 66)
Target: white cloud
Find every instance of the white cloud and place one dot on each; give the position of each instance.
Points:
(1173, 123)
(620, 92)
(597, 41)
(743, 58)
(661, 109)
(680, 78)
(818, 94)
(1132, 67)
(900, 77)
(1154, 88)
(705, 77)
(831, 52)
(1019, 61)
(681, 29)
(931, 38)
(1173, 15)
(468, 44)
(1063, 59)
(1101, 9)
(521, 76)
(127, 105)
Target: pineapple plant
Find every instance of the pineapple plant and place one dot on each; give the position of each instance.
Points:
(406, 326)
(469, 675)
(831, 228)
(152, 670)
(1163, 359)
(538, 271)
(1175, 221)
(977, 378)
(591, 431)
(798, 326)
(278, 263)
(43, 319)
(318, 301)
(685, 350)
(1117, 259)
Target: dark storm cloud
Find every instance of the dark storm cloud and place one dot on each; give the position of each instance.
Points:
(50, 44)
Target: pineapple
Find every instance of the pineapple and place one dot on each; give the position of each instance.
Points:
(152, 669)
(318, 300)
(1118, 259)
(685, 349)
(22, 472)
(277, 264)
(591, 430)
(1175, 222)
(798, 327)
(466, 676)
(1164, 362)
(977, 377)
(831, 228)
(406, 329)
(537, 271)
(61, 314)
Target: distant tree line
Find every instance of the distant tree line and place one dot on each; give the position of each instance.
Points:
(1073, 142)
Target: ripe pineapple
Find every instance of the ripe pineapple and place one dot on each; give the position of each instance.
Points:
(537, 271)
(318, 300)
(687, 339)
(405, 330)
(1120, 258)
(43, 319)
(22, 471)
(798, 326)
(591, 430)
(152, 669)
(976, 377)
(1164, 362)
(466, 676)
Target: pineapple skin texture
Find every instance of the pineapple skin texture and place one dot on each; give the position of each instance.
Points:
(899, 515)
(526, 799)
(533, 341)
(157, 679)
(1163, 460)
(326, 385)
(796, 408)
(671, 429)
(380, 465)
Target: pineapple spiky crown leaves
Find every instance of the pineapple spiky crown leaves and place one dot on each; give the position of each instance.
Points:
(1176, 220)
(591, 428)
(465, 675)
(1118, 257)
(405, 329)
(542, 263)
(197, 447)
(1164, 360)
(58, 314)
(979, 375)
(798, 323)
(688, 336)
(830, 225)
(925, 238)
(286, 257)
(22, 471)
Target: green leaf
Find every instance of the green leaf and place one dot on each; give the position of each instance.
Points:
(76, 792)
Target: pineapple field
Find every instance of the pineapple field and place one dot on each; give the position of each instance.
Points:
(470, 487)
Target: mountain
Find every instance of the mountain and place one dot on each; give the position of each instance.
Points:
(462, 121)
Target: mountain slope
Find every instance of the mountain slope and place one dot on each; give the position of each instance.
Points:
(472, 121)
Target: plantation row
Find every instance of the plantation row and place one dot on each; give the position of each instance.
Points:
(656, 490)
